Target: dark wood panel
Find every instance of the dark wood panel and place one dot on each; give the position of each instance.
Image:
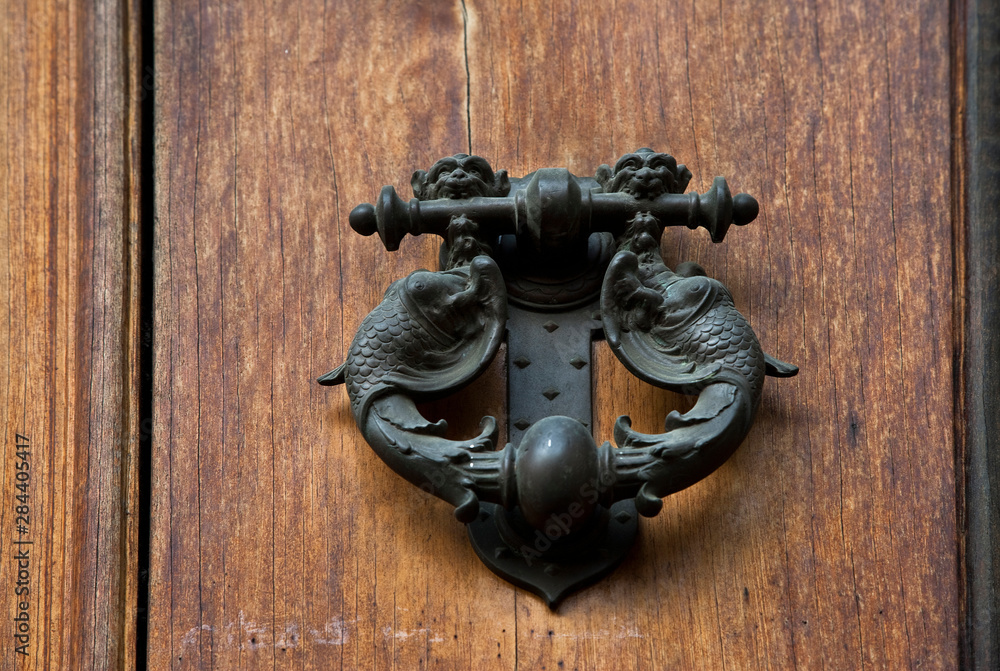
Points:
(279, 539)
(978, 180)
(69, 382)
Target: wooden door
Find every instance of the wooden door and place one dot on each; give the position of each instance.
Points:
(199, 501)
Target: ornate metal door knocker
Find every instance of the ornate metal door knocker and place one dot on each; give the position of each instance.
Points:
(549, 262)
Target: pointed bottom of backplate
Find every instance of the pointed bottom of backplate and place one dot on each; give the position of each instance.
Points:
(553, 569)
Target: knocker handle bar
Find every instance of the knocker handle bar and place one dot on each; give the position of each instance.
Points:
(552, 194)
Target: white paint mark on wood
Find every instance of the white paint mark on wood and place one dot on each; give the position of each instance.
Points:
(250, 635)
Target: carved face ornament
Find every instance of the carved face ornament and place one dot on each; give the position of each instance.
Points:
(456, 177)
(645, 174)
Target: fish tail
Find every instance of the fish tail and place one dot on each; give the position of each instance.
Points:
(778, 368)
(334, 377)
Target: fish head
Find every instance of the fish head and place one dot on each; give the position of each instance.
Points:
(687, 299)
(456, 302)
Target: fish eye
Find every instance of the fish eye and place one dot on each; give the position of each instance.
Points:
(419, 285)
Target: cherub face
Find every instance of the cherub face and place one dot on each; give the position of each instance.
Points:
(459, 176)
(646, 174)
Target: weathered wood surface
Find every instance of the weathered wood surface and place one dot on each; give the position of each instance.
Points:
(279, 540)
(68, 381)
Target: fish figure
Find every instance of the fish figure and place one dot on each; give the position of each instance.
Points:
(682, 331)
(432, 333)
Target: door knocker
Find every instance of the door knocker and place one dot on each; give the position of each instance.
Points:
(549, 262)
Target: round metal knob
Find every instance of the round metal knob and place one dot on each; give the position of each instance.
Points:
(745, 209)
(556, 467)
(362, 219)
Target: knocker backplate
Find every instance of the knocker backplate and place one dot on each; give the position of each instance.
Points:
(529, 562)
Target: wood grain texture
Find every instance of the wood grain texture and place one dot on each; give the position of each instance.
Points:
(68, 379)
(280, 541)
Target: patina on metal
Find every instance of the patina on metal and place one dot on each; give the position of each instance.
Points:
(550, 262)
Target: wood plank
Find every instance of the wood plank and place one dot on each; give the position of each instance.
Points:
(977, 111)
(831, 535)
(68, 382)
(280, 540)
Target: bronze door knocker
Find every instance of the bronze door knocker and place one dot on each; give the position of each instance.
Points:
(549, 262)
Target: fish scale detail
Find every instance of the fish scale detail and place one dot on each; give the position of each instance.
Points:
(386, 337)
(681, 331)
(723, 336)
(432, 333)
